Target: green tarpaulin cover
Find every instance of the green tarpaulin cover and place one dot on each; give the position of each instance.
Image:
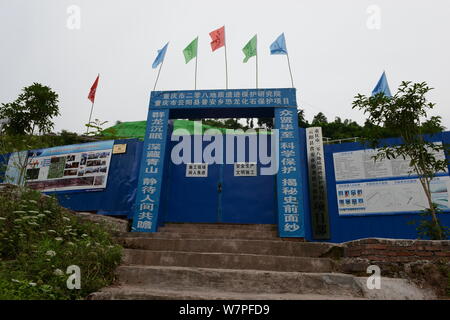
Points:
(136, 129)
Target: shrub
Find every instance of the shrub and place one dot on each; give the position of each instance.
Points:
(39, 240)
(429, 229)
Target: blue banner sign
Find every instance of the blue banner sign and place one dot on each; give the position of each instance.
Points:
(150, 178)
(282, 97)
(289, 186)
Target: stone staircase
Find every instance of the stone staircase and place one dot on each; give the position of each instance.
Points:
(219, 261)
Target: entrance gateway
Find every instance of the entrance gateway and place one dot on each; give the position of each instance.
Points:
(279, 103)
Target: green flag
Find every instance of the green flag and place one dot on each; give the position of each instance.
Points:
(190, 51)
(250, 49)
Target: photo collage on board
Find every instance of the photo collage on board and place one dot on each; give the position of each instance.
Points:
(350, 198)
(67, 171)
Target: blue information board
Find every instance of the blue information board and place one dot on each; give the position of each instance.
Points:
(284, 97)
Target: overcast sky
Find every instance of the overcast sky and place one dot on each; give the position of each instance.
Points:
(337, 49)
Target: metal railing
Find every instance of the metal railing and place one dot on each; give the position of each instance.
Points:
(329, 141)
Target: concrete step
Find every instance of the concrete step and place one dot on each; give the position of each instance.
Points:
(220, 226)
(139, 293)
(242, 281)
(391, 289)
(239, 246)
(227, 261)
(207, 234)
(231, 233)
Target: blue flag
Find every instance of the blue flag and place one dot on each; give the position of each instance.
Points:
(160, 57)
(279, 46)
(382, 86)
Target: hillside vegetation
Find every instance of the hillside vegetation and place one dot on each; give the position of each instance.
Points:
(39, 240)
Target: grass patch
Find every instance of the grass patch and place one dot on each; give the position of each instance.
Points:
(39, 240)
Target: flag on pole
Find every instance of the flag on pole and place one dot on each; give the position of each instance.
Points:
(382, 86)
(190, 52)
(218, 38)
(160, 56)
(218, 41)
(279, 45)
(91, 95)
(250, 49)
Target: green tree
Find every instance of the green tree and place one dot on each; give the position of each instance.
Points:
(33, 109)
(97, 125)
(433, 125)
(319, 120)
(302, 122)
(265, 123)
(402, 115)
(232, 124)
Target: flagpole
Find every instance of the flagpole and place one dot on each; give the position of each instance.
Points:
(226, 64)
(157, 77)
(92, 108)
(256, 62)
(195, 80)
(290, 72)
(196, 58)
(90, 115)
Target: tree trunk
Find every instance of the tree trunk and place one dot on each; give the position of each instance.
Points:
(426, 188)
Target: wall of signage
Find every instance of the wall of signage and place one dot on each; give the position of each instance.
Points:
(364, 186)
(74, 167)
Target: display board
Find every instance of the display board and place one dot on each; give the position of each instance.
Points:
(364, 186)
(359, 165)
(403, 195)
(74, 167)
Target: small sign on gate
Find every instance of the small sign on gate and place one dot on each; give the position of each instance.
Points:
(196, 170)
(119, 148)
(245, 169)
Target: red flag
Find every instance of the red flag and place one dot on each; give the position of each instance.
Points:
(91, 95)
(218, 38)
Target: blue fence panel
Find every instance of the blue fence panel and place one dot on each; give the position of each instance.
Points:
(393, 225)
(119, 195)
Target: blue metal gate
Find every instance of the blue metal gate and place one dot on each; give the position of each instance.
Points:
(221, 197)
(248, 199)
